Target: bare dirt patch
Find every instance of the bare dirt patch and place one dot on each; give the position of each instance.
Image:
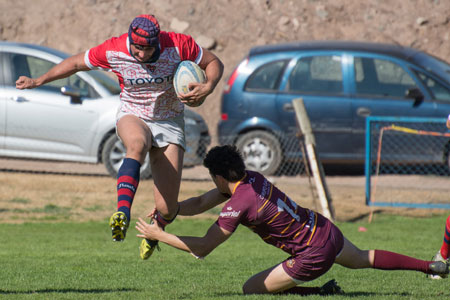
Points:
(61, 193)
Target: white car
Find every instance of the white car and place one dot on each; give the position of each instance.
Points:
(71, 119)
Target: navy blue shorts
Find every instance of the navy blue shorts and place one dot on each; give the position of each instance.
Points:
(313, 262)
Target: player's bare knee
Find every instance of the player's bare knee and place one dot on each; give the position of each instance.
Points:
(353, 258)
(137, 148)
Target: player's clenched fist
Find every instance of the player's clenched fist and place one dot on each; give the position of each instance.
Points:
(25, 82)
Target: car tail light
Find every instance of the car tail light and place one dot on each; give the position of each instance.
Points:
(224, 116)
(233, 76)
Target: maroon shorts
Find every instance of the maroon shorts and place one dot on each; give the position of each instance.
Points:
(313, 262)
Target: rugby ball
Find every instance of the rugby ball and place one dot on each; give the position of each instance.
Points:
(187, 72)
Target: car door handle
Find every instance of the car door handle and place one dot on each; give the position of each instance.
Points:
(288, 107)
(363, 111)
(20, 99)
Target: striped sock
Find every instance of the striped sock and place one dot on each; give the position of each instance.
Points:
(127, 183)
(446, 242)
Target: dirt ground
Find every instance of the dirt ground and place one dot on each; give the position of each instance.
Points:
(39, 191)
(235, 26)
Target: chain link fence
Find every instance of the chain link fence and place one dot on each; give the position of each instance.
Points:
(417, 149)
(270, 153)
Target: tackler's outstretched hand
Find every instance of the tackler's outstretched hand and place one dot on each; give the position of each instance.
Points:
(148, 231)
(152, 213)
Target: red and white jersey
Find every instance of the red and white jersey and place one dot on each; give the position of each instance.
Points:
(147, 88)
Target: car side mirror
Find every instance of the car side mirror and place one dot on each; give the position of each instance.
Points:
(74, 94)
(415, 94)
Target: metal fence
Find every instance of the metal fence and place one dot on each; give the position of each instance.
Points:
(271, 153)
(415, 148)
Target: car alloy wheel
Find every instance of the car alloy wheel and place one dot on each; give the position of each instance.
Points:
(261, 151)
(113, 154)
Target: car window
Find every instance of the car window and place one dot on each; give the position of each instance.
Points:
(381, 77)
(440, 67)
(321, 74)
(34, 67)
(438, 90)
(106, 81)
(266, 77)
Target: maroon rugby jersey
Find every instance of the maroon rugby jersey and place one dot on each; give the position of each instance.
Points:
(279, 221)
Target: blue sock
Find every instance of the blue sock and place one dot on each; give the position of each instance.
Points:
(127, 183)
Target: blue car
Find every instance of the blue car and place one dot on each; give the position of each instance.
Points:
(341, 83)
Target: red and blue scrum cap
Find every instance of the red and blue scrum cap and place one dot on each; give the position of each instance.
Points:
(144, 30)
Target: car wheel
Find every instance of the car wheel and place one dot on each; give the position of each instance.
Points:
(113, 154)
(261, 151)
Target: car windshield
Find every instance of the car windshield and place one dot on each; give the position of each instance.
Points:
(106, 81)
(434, 65)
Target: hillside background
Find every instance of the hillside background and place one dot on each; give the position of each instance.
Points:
(231, 27)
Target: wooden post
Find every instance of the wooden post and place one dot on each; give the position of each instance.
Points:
(314, 162)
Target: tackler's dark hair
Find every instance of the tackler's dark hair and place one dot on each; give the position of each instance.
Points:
(225, 161)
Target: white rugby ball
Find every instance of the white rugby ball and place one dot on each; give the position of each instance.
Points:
(187, 72)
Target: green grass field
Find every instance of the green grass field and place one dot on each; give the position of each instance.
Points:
(80, 261)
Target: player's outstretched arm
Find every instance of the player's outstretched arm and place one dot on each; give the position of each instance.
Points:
(197, 246)
(64, 69)
(197, 205)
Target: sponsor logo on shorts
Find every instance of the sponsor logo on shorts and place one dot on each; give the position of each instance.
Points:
(290, 263)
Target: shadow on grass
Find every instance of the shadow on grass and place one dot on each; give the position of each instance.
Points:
(64, 291)
(223, 295)
(232, 295)
(373, 294)
(364, 216)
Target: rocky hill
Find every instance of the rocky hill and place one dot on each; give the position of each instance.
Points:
(231, 27)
